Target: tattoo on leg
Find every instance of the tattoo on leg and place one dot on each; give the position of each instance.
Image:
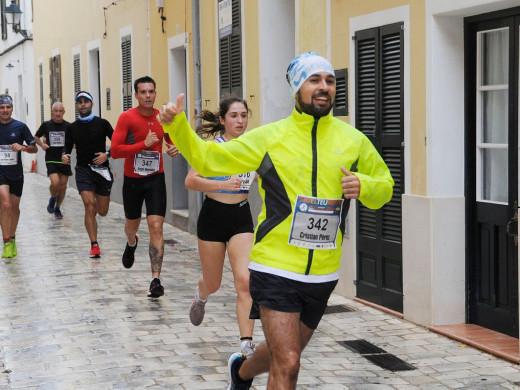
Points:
(155, 260)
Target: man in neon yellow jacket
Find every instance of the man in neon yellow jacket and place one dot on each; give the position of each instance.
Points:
(304, 165)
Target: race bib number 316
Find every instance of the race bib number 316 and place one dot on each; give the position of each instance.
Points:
(315, 222)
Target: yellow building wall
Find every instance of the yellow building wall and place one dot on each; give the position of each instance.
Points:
(312, 36)
(210, 58)
(312, 33)
(252, 62)
(99, 23)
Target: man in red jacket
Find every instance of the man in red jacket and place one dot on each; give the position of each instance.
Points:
(138, 138)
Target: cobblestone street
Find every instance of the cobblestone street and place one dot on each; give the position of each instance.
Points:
(71, 322)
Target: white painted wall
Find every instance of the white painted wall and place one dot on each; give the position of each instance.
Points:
(276, 50)
(19, 80)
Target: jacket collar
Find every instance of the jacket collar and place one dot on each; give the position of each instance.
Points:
(304, 119)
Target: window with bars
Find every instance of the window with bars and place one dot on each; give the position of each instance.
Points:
(42, 109)
(126, 66)
(55, 79)
(77, 78)
(230, 57)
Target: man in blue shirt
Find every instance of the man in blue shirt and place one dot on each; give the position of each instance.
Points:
(13, 135)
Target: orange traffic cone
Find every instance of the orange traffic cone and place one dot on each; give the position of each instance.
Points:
(33, 166)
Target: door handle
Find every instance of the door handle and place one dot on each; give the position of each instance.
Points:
(512, 227)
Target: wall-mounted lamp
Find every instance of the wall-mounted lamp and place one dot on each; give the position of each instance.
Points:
(160, 8)
(10, 65)
(13, 14)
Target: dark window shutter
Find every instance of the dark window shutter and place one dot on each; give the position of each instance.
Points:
(379, 115)
(77, 78)
(126, 56)
(341, 100)
(366, 81)
(40, 75)
(51, 81)
(55, 79)
(4, 20)
(366, 110)
(230, 57)
(392, 120)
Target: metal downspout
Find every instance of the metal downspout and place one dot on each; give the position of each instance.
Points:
(197, 90)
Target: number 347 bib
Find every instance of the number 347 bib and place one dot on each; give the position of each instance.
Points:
(315, 222)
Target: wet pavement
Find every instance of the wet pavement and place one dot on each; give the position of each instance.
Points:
(71, 322)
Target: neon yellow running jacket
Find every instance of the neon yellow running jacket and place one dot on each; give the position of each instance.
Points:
(295, 156)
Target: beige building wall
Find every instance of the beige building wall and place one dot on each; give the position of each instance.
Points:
(91, 26)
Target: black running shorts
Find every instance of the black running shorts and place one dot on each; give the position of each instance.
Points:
(88, 180)
(64, 169)
(15, 186)
(148, 189)
(289, 296)
(220, 221)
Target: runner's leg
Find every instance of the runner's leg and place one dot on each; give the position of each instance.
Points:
(89, 202)
(14, 214)
(55, 185)
(238, 251)
(211, 255)
(62, 188)
(286, 337)
(5, 210)
(156, 247)
(102, 204)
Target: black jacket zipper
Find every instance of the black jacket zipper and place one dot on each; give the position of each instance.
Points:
(314, 180)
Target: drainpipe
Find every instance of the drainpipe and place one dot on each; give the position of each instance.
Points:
(197, 90)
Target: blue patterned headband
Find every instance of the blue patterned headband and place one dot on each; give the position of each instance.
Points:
(304, 66)
(6, 99)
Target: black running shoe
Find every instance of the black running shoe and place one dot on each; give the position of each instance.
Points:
(57, 213)
(156, 290)
(50, 206)
(129, 254)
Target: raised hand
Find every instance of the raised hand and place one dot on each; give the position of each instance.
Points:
(169, 110)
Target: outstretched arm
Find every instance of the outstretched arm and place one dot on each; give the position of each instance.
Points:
(240, 155)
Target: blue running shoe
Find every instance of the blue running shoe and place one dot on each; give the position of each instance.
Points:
(235, 382)
(50, 206)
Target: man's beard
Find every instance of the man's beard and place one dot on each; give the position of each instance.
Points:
(86, 113)
(311, 109)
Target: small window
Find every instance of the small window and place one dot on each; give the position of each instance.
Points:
(341, 101)
(77, 78)
(108, 100)
(42, 109)
(126, 58)
(55, 79)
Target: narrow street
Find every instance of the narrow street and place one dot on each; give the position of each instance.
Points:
(71, 322)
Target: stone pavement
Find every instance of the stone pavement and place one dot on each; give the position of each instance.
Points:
(71, 322)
